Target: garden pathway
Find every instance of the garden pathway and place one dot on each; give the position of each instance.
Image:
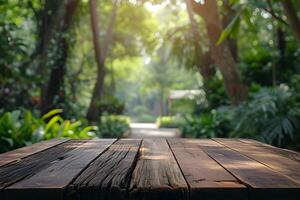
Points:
(150, 130)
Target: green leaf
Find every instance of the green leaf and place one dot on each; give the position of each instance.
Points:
(75, 125)
(247, 16)
(232, 26)
(15, 115)
(84, 132)
(52, 122)
(52, 113)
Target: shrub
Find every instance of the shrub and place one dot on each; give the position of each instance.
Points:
(59, 127)
(146, 118)
(113, 126)
(207, 125)
(20, 128)
(169, 122)
(271, 115)
(111, 105)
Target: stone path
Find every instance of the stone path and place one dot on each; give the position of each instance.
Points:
(150, 130)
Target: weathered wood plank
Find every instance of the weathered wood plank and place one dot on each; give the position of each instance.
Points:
(50, 182)
(23, 152)
(157, 175)
(284, 152)
(108, 177)
(14, 172)
(24, 168)
(275, 161)
(264, 182)
(206, 178)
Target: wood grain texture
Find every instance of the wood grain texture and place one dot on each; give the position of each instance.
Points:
(264, 182)
(157, 175)
(23, 152)
(50, 182)
(218, 169)
(284, 152)
(27, 167)
(108, 177)
(276, 162)
(206, 178)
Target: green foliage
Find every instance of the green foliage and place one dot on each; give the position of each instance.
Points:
(151, 52)
(169, 122)
(271, 115)
(232, 29)
(15, 47)
(20, 128)
(113, 126)
(111, 105)
(216, 94)
(16, 132)
(58, 127)
(207, 125)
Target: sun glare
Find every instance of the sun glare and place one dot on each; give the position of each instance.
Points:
(153, 8)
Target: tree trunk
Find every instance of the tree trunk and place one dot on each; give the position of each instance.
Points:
(281, 44)
(51, 14)
(55, 87)
(221, 54)
(203, 60)
(93, 112)
(292, 17)
(227, 17)
(54, 90)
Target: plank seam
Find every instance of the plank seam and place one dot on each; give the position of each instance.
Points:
(20, 159)
(134, 163)
(249, 188)
(21, 179)
(259, 143)
(189, 187)
(83, 169)
(286, 176)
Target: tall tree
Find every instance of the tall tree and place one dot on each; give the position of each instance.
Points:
(54, 89)
(203, 59)
(48, 18)
(292, 17)
(228, 15)
(101, 51)
(221, 53)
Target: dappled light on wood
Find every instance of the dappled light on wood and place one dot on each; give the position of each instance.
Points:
(150, 169)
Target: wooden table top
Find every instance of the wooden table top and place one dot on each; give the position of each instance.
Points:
(204, 169)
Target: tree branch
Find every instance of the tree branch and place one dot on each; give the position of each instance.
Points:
(197, 7)
(272, 12)
(108, 34)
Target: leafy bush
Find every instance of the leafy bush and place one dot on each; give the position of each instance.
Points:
(207, 125)
(169, 122)
(113, 126)
(142, 114)
(20, 128)
(58, 127)
(111, 105)
(145, 118)
(271, 115)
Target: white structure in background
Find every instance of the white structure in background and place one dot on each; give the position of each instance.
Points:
(183, 94)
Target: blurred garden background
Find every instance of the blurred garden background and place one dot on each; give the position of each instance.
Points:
(209, 68)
